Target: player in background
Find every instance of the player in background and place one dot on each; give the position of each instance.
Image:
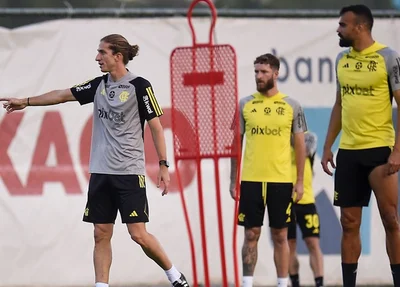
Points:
(305, 215)
(268, 119)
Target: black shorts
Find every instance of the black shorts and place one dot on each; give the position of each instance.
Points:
(352, 188)
(255, 196)
(306, 216)
(110, 193)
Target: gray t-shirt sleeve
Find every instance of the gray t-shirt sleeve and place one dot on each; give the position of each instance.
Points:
(336, 74)
(392, 61)
(311, 143)
(299, 123)
(242, 122)
(147, 102)
(338, 57)
(84, 93)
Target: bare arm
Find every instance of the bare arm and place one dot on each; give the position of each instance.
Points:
(157, 133)
(300, 155)
(396, 95)
(335, 123)
(234, 162)
(51, 98)
(234, 165)
(394, 158)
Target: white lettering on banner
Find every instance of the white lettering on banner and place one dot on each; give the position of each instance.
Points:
(303, 69)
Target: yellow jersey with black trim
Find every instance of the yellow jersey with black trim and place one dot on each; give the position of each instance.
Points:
(366, 81)
(268, 124)
(311, 149)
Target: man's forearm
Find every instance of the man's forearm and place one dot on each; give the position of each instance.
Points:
(51, 98)
(335, 125)
(159, 143)
(234, 169)
(234, 161)
(300, 154)
(397, 142)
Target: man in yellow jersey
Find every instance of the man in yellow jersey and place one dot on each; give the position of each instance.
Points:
(268, 118)
(369, 153)
(305, 214)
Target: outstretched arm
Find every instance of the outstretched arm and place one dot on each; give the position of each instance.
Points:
(84, 93)
(51, 98)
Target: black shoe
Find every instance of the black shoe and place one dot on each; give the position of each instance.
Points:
(181, 282)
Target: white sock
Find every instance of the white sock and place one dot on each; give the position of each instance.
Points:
(173, 274)
(282, 282)
(98, 284)
(247, 281)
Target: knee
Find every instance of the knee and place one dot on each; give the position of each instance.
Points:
(279, 236)
(252, 234)
(390, 221)
(139, 238)
(138, 234)
(102, 233)
(312, 244)
(350, 223)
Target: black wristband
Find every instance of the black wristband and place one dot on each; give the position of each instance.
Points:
(28, 102)
(164, 162)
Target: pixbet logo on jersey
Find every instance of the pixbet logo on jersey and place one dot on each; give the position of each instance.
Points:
(266, 131)
(357, 91)
(117, 118)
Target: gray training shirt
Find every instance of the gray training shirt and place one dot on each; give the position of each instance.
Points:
(119, 112)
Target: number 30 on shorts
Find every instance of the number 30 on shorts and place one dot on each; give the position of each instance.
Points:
(312, 220)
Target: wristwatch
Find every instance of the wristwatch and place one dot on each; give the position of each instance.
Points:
(164, 162)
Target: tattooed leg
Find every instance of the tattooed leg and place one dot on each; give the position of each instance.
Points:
(249, 250)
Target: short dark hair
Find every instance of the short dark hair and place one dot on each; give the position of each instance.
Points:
(268, 59)
(362, 12)
(118, 44)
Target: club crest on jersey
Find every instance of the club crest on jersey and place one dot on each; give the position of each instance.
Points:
(124, 96)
